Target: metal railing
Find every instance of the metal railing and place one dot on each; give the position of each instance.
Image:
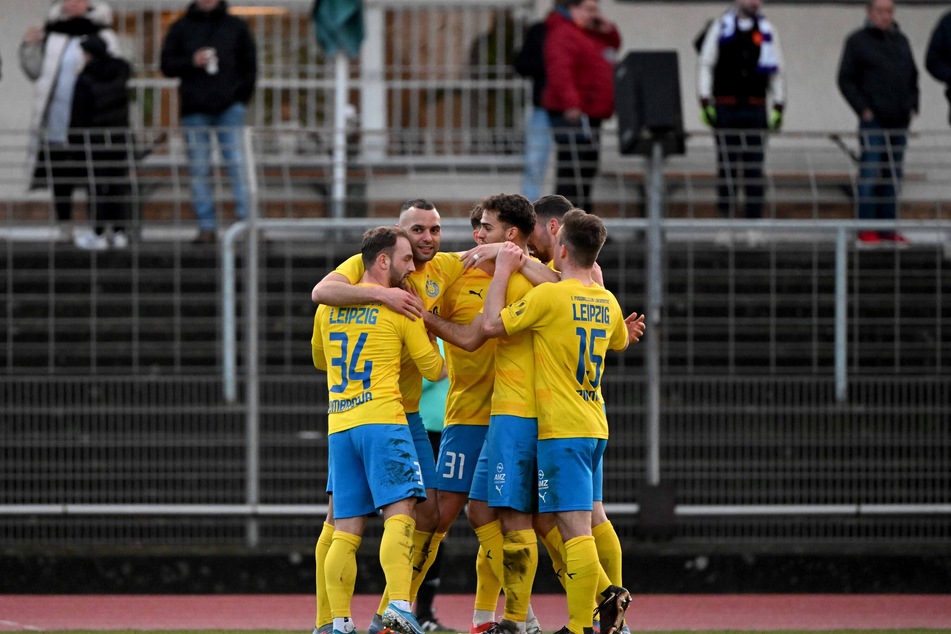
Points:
(801, 382)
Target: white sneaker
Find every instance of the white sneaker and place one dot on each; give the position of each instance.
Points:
(90, 241)
(120, 240)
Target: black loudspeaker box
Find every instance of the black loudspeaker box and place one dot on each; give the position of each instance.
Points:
(647, 99)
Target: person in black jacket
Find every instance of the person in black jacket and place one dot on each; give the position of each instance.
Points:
(879, 80)
(99, 129)
(213, 55)
(938, 57)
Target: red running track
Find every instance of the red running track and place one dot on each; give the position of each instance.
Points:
(650, 612)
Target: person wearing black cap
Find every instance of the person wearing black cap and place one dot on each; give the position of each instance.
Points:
(100, 128)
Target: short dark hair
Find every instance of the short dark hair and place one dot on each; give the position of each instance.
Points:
(584, 235)
(514, 210)
(419, 203)
(380, 240)
(475, 216)
(552, 206)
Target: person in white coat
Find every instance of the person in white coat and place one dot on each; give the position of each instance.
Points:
(52, 58)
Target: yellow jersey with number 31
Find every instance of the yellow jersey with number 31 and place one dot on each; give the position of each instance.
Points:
(574, 325)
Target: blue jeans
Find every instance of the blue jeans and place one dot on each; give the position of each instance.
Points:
(227, 127)
(578, 150)
(537, 149)
(880, 170)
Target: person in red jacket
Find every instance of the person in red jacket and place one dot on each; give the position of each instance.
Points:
(580, 52)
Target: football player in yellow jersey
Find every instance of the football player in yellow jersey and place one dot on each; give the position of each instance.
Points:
(512, 434)
(549, 211)
(370, 444)
(574, 322)
(434, 273)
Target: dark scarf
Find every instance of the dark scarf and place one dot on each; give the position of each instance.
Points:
(74, 27)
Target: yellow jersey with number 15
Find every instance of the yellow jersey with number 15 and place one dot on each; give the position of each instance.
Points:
(574, 325)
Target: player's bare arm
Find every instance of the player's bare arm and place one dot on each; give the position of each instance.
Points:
(533, 270)
(336, 290)
(469, 336)
(510, 259)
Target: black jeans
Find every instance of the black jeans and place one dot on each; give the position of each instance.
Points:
(741, 142)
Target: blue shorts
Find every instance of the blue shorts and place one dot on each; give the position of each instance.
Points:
(566, 473)
(480, 478)
(424, 449)
(376, 466)
(511, 445)
(459, 453)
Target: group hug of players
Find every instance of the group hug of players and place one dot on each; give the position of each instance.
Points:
(527, 324)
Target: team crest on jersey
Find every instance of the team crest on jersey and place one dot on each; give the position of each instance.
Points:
(432, 288)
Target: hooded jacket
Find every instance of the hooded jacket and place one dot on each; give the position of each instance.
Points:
(878, 72)
(200, 91)
(579, 67)
(41, 64)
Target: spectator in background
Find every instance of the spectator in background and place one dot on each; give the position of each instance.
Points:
(101, 100)
(938, 57)
(432, 407)
(213, 55)
(879, 80)
(52, 58)
(530, 63)
(739, 70)
(580, 52)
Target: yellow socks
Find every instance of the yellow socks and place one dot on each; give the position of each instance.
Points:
(396, 555)
(488, 585)
(520, 558)
(340, 571)
(320, 557)
(556, 550)
(609, 551)
(426, 545)
(490, 539)
(581, 580)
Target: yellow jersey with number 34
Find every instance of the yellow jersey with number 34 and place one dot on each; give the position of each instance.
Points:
(574, 325)
(360, 348)
(429, 283)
